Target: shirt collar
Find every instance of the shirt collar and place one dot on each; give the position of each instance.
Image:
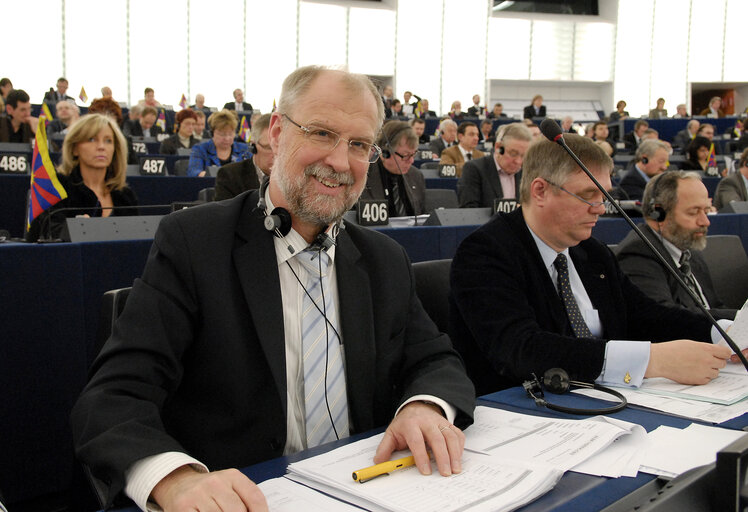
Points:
(641, 173)
(548, 253)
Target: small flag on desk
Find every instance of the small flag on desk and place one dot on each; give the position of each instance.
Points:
(83, 96)
(244, 132)
(46, 189)
(712, 157)
(419, 110)
(161, 120)
(47, 114)
(183, 102)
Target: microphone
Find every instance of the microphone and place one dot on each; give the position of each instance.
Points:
(552, 132)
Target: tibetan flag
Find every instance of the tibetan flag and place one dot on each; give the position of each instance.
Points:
(712, 157)
(183, 102)
(161, 120)
(274, 107)
(46, 189)
(419, 110)
(47, 114)
(83, 96)
(244, 132)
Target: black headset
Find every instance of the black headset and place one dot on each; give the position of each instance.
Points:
(388, 149)
(557, 381)
(655, 211)
(645, 160)
(252, 147)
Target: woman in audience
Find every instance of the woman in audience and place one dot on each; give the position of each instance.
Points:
(184, 138)
(220, 150)
(94, 163)
(698, 154)
(620, 113)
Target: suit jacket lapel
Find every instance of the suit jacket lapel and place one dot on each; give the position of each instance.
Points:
(492, 175)
(257, 267)
(595, 280)
(357, 326)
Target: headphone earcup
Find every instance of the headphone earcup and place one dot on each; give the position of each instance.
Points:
(645, 160)
(501, 150)
(386, 153)
(556, 380)
(253, 148)
(657, 213)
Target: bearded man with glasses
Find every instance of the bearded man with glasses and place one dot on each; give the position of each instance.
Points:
(208, 370)
(531, 290)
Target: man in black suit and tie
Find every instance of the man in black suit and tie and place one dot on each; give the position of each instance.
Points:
(447, 137)
(531, 290)
(495, 176)
(476, 110)
(248, 174)
(535, 109)
(53, 96)
(144, 126)
(633, 138)
(238, 104)
(209, 369)
(650, 159)
(680, 236)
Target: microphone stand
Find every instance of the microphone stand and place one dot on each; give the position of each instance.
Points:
(553, 132)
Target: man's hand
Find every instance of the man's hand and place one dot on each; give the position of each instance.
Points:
(686, 361)
(416, 425)
(734, 357)
(228, 490)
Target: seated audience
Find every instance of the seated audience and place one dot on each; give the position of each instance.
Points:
(221, 149)
(17, 125)
(632, 139)
(201, 129)
(93, 169)
(714, 109)
(446, 138)
(235, 178)
(106, 92)
(600, 133)
(109, 107)
(486, 132)
(396, 109)
(659, 112)
(464, 150)
(531, 290)
(707, 130)
(53, 96)
(238, 104)
(567, 125)
(200, 105)
(66, 113)
(186, 119)
(736, 131)
(534, 129)
(681, 112)
(419, 126)
(619, 114)
(476, 110)
(5, 87)
(133, 114)
(148, 99)
(679, 235)
(497, 112)
(145, 126)
(425, 112)
(535, 109)
(393, 177)
(497, 175)
(733, 187)
(409, 108)
(683, 138)
(698, 154)
(650, 159)
(455, 111)
(606, 147)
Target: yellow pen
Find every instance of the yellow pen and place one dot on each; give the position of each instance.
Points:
(362, 475)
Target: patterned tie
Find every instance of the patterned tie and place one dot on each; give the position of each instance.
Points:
(322, 355)
(685, 267)
(469, 156)
(400, 210)
(572, 309)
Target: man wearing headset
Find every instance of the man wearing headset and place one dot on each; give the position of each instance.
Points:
(675, 207)
(207, 368)
(495, 176)
(393, 177)
(650, 159)
(531, 290)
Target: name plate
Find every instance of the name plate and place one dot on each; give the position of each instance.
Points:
(447, 170)
(373, 212)
(14, 163)
(426, 154)
(152, 166)
(712, 171)
(505, 205)
(139, 147)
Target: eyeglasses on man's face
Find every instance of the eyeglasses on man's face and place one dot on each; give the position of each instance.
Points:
(592, 204)
(328, 140)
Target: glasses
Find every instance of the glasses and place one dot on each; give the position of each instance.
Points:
(594, 204)
(405, 157)
(328, 140)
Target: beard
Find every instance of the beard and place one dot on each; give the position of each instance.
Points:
(684, 238)
(318, 209)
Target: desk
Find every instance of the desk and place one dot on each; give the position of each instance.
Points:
(575, 492)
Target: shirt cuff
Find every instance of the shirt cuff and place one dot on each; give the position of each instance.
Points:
(625, 363)
(144, 474)
(449, 411)
(716, 336)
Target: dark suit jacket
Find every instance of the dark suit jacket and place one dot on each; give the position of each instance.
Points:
(633, 184)
(437, 146)
(508, 321)
(529, 112)
(416, 190)
(133, 128)
(232, 106)
(630, 140)
(196, 362)
(235, 178)
(682, 139)
(476, 111)
(648, 274)
(6, 130)
(731, 188)
(169, 146)
(479, 184)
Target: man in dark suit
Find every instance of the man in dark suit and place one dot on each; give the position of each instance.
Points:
(425, 109)
(679, 236)
(651, 159)
(238, 104)
(684, 137)
(419, 126)
(144, 126)
(633, 138)
(53, 96)
(495, 176)
(507, 315)
(733, 187)
(206, 368)
(476, 110)
(235, 178)
(15, 125)
(534, 109)
(447, 137)
(393, 177)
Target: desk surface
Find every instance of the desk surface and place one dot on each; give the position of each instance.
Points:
(575, 492)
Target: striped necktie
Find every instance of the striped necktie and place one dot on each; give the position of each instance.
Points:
(578, 324)
(324, 375)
